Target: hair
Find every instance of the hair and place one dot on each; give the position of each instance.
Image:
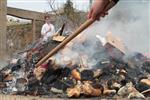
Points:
(45, 17)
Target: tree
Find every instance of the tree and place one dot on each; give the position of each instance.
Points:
(68, 14)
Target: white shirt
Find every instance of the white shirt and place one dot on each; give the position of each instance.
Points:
(44, 32)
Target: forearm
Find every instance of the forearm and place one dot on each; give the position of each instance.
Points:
(44, 33)
(100, 8)
(103, 3)
(110, 5)
(100, 4)
(115, 1)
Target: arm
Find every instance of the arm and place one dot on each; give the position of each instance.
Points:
(43, 31)
(53, 30)
(98, 8)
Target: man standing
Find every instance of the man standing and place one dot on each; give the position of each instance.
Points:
(48, 29)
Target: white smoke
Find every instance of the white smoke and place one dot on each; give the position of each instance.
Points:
(128, 20)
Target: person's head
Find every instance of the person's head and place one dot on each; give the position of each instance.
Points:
(47, 19)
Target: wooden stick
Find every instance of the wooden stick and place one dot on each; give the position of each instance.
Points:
(68, 39)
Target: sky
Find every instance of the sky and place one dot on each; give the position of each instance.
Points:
(42, 5)
(129, 19)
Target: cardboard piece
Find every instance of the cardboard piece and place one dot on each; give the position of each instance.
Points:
(58, 38)
(115, 42)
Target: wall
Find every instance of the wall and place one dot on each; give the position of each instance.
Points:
(20, 35)
(3, 21)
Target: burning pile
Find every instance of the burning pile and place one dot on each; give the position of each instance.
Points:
(64, 76)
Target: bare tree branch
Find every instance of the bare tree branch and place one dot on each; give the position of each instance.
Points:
(51, 4)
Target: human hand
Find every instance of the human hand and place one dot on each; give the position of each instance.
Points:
(97, 9)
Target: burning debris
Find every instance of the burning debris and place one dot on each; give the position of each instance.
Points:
(74, 75)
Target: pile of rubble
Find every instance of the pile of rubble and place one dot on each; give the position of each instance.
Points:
(109, 78)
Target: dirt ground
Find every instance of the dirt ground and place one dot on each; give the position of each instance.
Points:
(14, 97)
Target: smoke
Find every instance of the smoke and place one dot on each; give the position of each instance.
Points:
(128, 20)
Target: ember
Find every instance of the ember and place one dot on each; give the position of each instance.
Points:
(74, 77)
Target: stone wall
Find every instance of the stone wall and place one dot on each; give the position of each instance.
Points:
(20, 35)
(3, 21)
